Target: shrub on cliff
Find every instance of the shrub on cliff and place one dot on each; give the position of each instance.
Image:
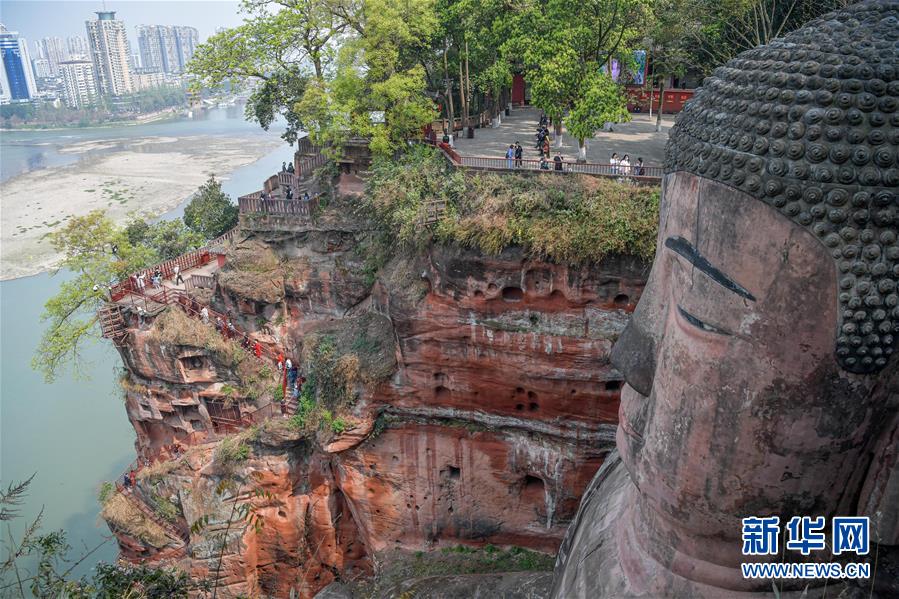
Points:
(570, 218)
(210, 211)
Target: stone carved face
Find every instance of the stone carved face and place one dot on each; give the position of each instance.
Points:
(778, 235)
(735, 403)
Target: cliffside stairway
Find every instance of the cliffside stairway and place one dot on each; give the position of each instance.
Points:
(291, 405)
(112, 323)
(150, 513)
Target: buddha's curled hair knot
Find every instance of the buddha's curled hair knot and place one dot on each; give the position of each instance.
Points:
(810, 125)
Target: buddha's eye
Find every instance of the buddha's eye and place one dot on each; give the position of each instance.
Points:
(699, 324)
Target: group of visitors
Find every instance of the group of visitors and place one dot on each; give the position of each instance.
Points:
(288, 195)
(622, 166)
(514, 155)
(156, 276)
(287, 168)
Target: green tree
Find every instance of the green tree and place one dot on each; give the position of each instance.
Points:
(210, 212)
(272, 52)
(565, 43)
(171, 238)
(599, 101)
(86, 244)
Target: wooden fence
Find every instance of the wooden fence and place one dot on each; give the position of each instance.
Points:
(200, 282)
(306, 165)
(185, 262)
(299, 207)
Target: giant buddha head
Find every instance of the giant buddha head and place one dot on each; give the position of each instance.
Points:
(761, 362)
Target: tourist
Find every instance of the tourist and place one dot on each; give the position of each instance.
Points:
(280, 362)
(140, 316)
(613, 163)
(639, 169)
(204, 314)
(115, 248)
(177, 275)
(510, 156)
(141, 284)
(126, 480)
(558, 160)
(305, 196)
(290, 168)
(544, 164)
(284, 167)
(519, 152)
(132, 477)
(292, 372)
(157, 278)
(231, 330)
(257, 349)
(624, 165)
(219, 325)
(546, 146)
(288, 195)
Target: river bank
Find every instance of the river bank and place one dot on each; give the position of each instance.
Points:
(73, 434)
(167, 114)
(146, 176)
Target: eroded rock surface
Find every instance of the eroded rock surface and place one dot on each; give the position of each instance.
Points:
(484, 402)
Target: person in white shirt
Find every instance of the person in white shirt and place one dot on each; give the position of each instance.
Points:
(624, 165)
(614, 162)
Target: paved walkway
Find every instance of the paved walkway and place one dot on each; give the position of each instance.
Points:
(637, 138)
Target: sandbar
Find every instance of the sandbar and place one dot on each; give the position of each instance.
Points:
(148, 178)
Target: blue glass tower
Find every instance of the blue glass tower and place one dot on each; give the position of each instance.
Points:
(19, 81)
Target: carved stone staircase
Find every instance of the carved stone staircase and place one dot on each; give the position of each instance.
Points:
(146, 510)
(112, 323)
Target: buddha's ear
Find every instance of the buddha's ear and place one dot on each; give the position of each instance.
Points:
(879, 499)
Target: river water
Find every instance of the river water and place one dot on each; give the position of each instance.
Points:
(74, 433)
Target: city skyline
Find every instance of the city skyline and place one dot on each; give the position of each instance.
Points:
(38, 20)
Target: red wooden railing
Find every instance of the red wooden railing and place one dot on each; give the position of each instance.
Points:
(199, 257)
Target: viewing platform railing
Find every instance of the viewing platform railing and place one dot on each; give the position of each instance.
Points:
(296, 207)
(644, 174)
(185, 262)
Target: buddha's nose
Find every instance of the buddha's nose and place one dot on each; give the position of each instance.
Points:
(634, 356)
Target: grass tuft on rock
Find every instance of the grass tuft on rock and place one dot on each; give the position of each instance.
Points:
(570, 218)
(124, 516)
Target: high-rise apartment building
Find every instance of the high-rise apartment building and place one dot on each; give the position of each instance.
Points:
(77, 47)
(17, 77)
(148, 45)
(54, 51)
(109, 50)
(79, 82)
(168, 43)
(42, 68)
(188, 39)
(165, 48)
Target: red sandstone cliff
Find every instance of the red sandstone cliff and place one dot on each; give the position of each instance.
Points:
(484, 403)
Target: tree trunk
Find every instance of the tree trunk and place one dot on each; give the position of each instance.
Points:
(467, 78)
(451, 115)
(582, 150)
(661, 105)
(462, 99)
(557, 131)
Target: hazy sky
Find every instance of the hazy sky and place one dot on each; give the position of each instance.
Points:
(34, 19)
